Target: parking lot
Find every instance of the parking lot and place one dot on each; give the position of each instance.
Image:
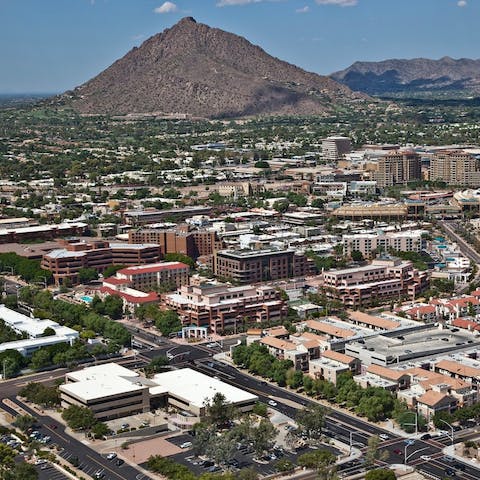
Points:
(48, 471)
(89, 468)
(138, 421)
(243, 457)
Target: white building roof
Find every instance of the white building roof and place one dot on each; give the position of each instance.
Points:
(32, 326)
(100, 387)
(99, 373)
(196, 388)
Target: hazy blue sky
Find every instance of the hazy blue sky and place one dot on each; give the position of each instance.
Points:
(54, 45)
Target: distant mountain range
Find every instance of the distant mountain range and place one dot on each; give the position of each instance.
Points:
(200, 71)
(418, 75)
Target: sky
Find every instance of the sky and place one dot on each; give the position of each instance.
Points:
(49, 46)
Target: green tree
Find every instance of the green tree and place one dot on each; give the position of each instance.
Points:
(22, 471)
(357, 256)
(373, 453)
(380, 474)
(263, 437)
(24, 422)
(113, 306)
(281, 206)
(260, 409)
(112, 270)
(180, 257)
(167, 321)
(294, 378)
(48, 332)
(322, 461)
(40, 358)
(100, 430)
(11, 362)
(218, 411)
(86, 275)
(311, 420)
(157, 364)
(79, 418)
(262, 164)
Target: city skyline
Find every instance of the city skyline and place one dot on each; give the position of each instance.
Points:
(54, 46)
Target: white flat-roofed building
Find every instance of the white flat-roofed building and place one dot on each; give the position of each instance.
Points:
(34, 328)
(109, 390)
(190, 390)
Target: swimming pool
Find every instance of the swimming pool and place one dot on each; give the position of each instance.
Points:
(87, 298)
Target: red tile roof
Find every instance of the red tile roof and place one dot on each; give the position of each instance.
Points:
(151, 297)
(466, 324)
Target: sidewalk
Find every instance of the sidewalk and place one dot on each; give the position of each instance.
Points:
(450, 451)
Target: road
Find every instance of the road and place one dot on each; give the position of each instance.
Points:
(465, 247)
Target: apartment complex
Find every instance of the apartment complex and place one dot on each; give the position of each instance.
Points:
(368, 243)
(397, 167)
(252, 266)
(335, 148)
(221, 307)
(194, 243)
(455, 167)
(65, 263)
(386, 278)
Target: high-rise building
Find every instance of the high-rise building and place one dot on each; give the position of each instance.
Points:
(398, 167)
(335, 148)
(455, 167)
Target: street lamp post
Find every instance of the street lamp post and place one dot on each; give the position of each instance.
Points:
(451, 435)
(352, 443)
(406, 457)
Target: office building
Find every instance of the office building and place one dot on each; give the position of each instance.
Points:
(194, 243)
(65, 263)
(335, 148)
(109, 390)
(34, 330)
(253, 266)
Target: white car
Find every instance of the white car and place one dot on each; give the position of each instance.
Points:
(186, 445)
(111, 455)
(425, 457)
(384, 436)
(272, 403)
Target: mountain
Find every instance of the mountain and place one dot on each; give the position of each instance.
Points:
(200, 71)
(412, 76)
